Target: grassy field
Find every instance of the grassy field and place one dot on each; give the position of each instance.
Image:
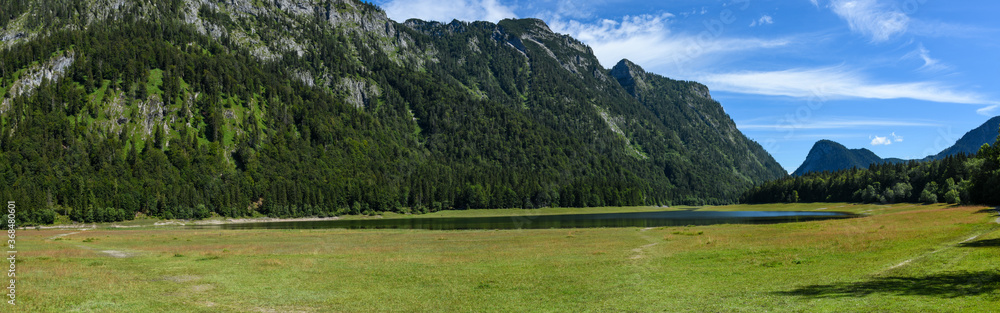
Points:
(902, 257)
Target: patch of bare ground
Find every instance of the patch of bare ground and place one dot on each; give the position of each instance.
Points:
(182, 278)
(117, 254)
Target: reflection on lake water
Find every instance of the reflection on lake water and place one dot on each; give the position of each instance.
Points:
(638, 219)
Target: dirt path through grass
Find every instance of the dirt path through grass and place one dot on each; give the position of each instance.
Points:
(66, 234)
(639, 252)
(112, 253)
(951, 246)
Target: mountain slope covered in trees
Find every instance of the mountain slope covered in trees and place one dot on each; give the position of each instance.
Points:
(182, 109)
(959, 178)
(830, 156)
(972, 140)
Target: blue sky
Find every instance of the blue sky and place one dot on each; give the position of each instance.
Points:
(903, 78)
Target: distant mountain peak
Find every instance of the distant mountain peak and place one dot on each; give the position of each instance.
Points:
(825, 145)
(632, 68)
(828, 155)
(537, 23)
(630, 76)
(972, 140)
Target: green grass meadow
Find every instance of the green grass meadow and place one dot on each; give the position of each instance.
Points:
(904, 257)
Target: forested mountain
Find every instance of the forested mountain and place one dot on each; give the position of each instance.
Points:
(182, 108)
(972, 140)
(830, 156)
(698, 128)
(958, 178)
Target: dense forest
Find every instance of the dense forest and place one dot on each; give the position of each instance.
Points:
(113, 110)
(954, 179)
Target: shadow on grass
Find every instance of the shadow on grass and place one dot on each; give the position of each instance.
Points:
(945, 285)
(990, 210)
(985, 243)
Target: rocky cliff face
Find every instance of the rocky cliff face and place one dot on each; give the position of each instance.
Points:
(630, 76)
(34, 76)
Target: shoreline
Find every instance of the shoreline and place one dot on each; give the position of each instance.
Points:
(187, 222)
(254, 220)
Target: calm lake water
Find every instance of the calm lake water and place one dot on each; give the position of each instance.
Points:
(639, 219)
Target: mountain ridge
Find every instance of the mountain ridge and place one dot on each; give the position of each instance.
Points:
(972, 140)
(304, 108)
(827, 155)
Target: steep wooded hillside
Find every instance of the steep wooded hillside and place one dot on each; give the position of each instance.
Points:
(182, 108)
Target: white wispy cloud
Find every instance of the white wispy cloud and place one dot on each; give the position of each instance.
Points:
(445, 11)
(896, 138)
(763, 20)
(836, 82)
(648, 40)
(871, 18)
(930, 64)
(989, 110)
(815, 2)
(880, 141)
(837, 124)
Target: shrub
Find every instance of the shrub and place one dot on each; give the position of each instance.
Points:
(952, 197)
(927, 197)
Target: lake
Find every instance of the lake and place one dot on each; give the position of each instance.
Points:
(638, 219)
